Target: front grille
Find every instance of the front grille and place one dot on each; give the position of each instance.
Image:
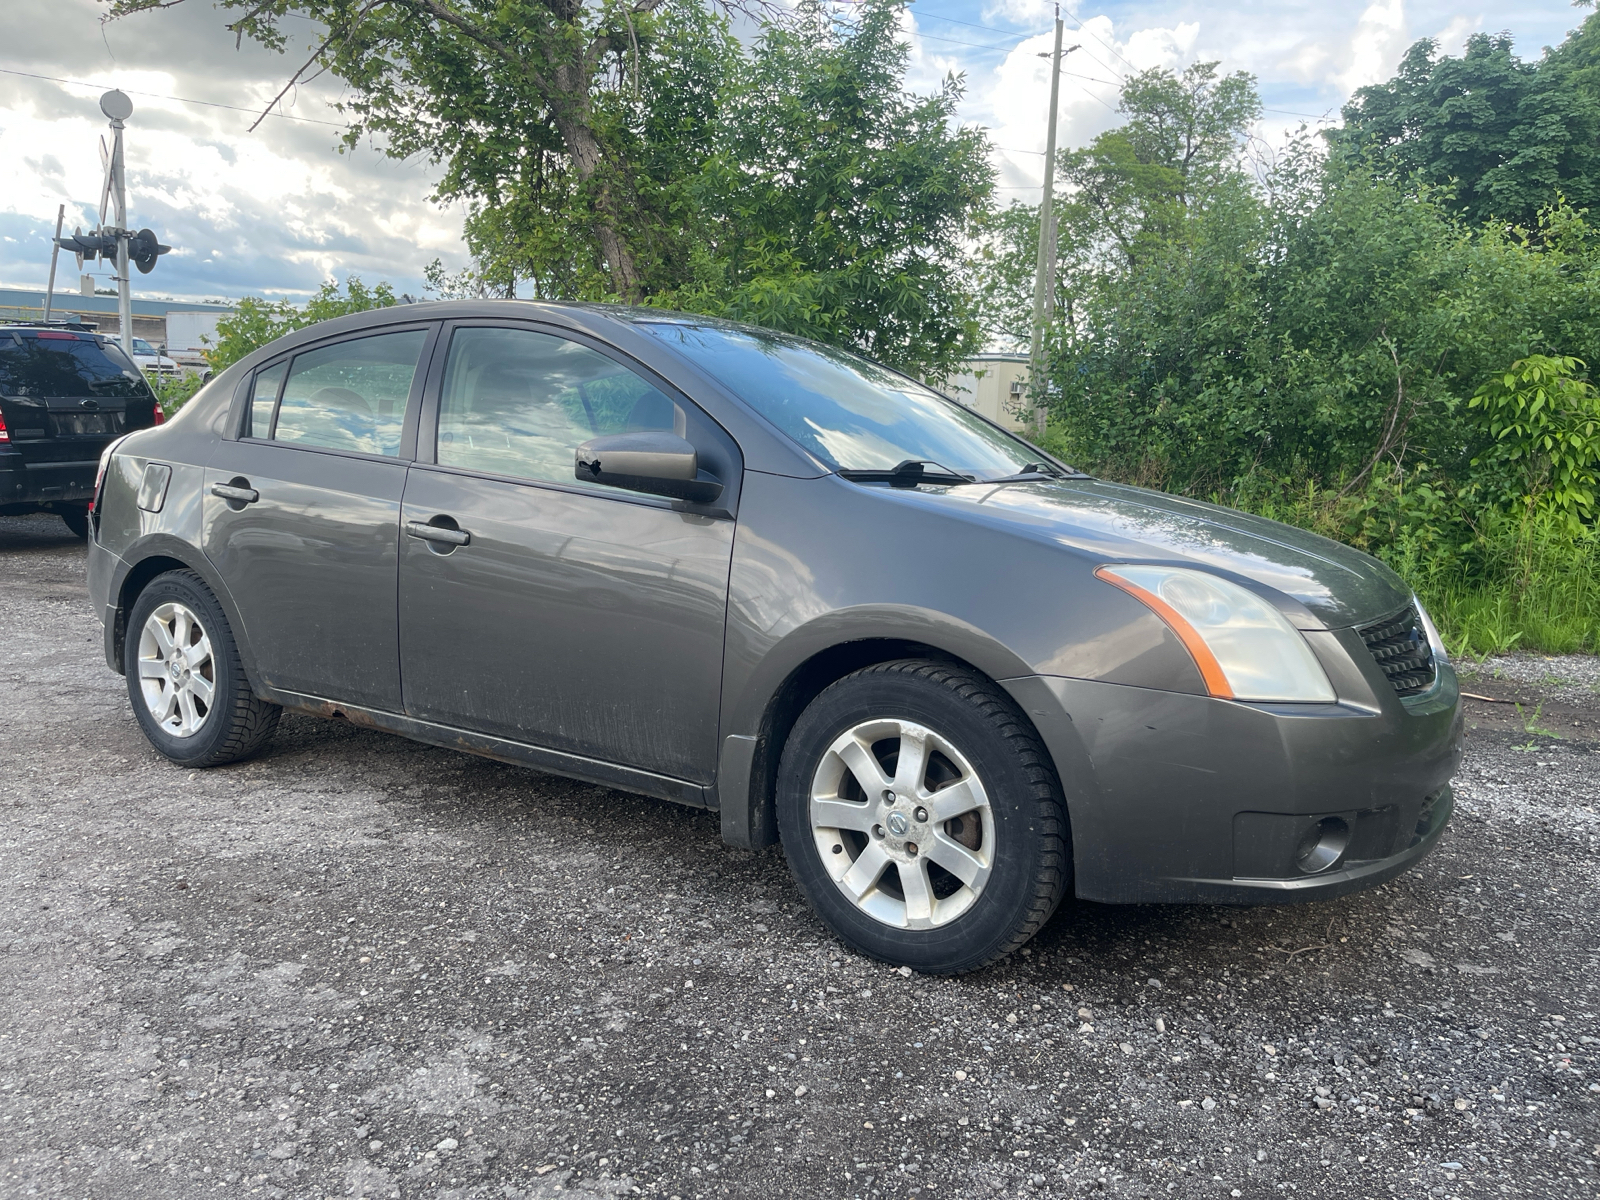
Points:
(1400, 646)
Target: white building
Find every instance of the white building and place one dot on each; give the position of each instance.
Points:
(996, 385)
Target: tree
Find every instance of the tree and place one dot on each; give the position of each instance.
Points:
(635, 151)
(1505, 137)
(256, 321)
(1180, 143)
(511, 96)
(837, 205)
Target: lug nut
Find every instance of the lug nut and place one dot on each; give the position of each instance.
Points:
(921, 814)
(889, 797)
(911, 849)
(877, 831)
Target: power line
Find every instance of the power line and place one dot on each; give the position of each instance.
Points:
(974, 25)
(1082, 28)
(1309, 116)
(179, 99)
(933, 37)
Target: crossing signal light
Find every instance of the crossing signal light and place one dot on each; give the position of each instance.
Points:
(89, 246)
(144, 249)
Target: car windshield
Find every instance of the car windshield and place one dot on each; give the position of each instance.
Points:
(852, 414)
(140, 346)
(57, 363)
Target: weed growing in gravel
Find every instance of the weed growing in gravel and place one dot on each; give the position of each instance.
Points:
(1530, 724)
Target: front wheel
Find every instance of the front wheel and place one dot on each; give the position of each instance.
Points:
(922, 817)
(188, 687)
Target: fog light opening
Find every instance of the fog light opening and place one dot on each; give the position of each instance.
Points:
(1323, 845)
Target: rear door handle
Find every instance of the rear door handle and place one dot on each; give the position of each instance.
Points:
(437, 533)
(239, 495)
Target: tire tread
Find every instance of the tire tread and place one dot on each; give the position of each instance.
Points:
(249, 722)
(1053, 864)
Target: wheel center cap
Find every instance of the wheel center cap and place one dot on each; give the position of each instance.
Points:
(898, 823)
(176, 668)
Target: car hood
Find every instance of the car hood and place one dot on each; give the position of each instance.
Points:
(1339, 586)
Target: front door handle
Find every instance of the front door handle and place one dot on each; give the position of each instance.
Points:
(437, 533)
(239, 495)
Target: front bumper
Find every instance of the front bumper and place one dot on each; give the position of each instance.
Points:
(1183, 798)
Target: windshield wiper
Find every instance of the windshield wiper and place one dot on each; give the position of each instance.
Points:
(908, 474)
(1029, 471)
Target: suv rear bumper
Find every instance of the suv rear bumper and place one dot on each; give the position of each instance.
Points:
(1182, 798)
(27, 486)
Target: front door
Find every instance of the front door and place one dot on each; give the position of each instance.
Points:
(577, 618)
(302, 516)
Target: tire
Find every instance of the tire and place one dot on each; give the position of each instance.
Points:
(191, 732)
(76, 521)
(972, 864)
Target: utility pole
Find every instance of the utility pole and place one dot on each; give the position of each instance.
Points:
(55, 253)
(1045, 268)
(119, 108)
(115, 242)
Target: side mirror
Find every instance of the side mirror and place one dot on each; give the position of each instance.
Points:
(661, 464)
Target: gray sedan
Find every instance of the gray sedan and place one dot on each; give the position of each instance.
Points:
(956, 678)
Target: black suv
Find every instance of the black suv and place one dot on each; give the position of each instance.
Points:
(65, 393)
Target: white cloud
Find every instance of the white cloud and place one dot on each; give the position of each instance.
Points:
(1014, 98)
(1453, 37)
(1375, 50)
(1020, 12)
(275, 211)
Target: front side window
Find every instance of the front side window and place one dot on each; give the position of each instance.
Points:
(349, 396)
(519, 403)
(852, 414)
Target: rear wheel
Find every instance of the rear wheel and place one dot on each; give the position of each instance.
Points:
(922, 818)
(187, 685)
(76, 519)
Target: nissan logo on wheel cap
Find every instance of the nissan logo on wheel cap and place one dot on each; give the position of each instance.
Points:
(898, 824)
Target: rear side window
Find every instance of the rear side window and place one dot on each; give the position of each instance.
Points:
(263, 399)
(49, 363)
(349, 396)
(516, 402)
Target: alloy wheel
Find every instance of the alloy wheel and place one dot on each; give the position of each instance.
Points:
(177, 674)
(902, 823)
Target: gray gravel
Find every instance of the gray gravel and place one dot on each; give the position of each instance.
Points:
(362, 967)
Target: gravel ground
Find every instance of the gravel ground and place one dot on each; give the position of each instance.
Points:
(362, 967)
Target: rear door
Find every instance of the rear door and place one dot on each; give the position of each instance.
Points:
(302, 513)
(63, 396)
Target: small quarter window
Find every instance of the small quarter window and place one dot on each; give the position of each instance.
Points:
(351, 395)
(516, 402)
(263, 397)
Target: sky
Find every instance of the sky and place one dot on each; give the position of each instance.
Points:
(277, 211)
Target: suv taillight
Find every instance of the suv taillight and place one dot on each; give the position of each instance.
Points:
(4, 436)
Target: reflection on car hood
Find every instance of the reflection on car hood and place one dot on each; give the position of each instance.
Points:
(1339, 585)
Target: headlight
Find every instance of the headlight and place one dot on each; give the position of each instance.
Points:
(1435, 642)
(1245, 648)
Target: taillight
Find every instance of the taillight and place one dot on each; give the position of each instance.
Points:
(161, 416)
(100, 472)
(4, 436)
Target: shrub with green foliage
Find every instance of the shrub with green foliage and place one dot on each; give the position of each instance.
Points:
(1545, 426)
(1335, 342)
(257, 321)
